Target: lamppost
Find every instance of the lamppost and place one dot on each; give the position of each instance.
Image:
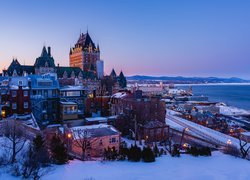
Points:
(183, 133)
(69, 136)
(133, 133)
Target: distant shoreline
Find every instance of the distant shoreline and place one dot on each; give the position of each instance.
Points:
(214, 84)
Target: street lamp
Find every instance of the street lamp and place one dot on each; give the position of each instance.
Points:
(69, 135)
(229, 142)
(3, 113)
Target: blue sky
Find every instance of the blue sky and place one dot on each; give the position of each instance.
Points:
(150, 37)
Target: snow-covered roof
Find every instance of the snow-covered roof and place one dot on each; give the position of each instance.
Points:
(97, 119)
(119, 95)
(15, 87)
(68, 103)
(72, 88)
(93, 131)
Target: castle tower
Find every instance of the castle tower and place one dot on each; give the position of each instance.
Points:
(45, 63)
(85, 55)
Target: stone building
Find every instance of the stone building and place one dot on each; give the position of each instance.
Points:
(45, 64)
(85, 55)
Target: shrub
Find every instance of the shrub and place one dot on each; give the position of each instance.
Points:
(134, 153)
(148, 155)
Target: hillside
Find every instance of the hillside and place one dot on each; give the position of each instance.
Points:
(187, 80)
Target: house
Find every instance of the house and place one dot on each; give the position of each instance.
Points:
(95, 138)
(4, 97)
(45, 97)
(74, 94)
(138, 113)
(97, 106)
(19, 98)
(68, 111)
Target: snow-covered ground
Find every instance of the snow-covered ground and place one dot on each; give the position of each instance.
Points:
(218, 166)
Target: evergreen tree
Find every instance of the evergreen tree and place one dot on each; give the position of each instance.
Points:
(58, 150)
(209, 152)
(148, 155)
(110, 154)
(176, 151)
(35, 159)
(40, 150)
(134, 153)
(156, 150)
(123, 153)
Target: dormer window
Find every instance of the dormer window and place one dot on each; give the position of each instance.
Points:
(65, 75)
(20, 83)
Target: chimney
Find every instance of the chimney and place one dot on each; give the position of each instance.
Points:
(49, 49)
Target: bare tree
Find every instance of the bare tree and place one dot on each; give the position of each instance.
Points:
(244, 148)
(12, 130)
(31, 167)
(81, 139)
(168, 143)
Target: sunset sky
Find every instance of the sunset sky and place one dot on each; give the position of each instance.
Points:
(146, 37)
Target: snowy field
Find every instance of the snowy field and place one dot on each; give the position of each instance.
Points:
(219, 166)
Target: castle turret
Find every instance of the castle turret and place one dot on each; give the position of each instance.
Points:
(122, 80)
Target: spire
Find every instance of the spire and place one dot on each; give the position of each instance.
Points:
(98, 49)
(70, 50)
(113, 73)
(122, 80)
(44, 52)
(49, 51)
(121, 74)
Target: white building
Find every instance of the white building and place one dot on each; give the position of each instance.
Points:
(100, 68)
